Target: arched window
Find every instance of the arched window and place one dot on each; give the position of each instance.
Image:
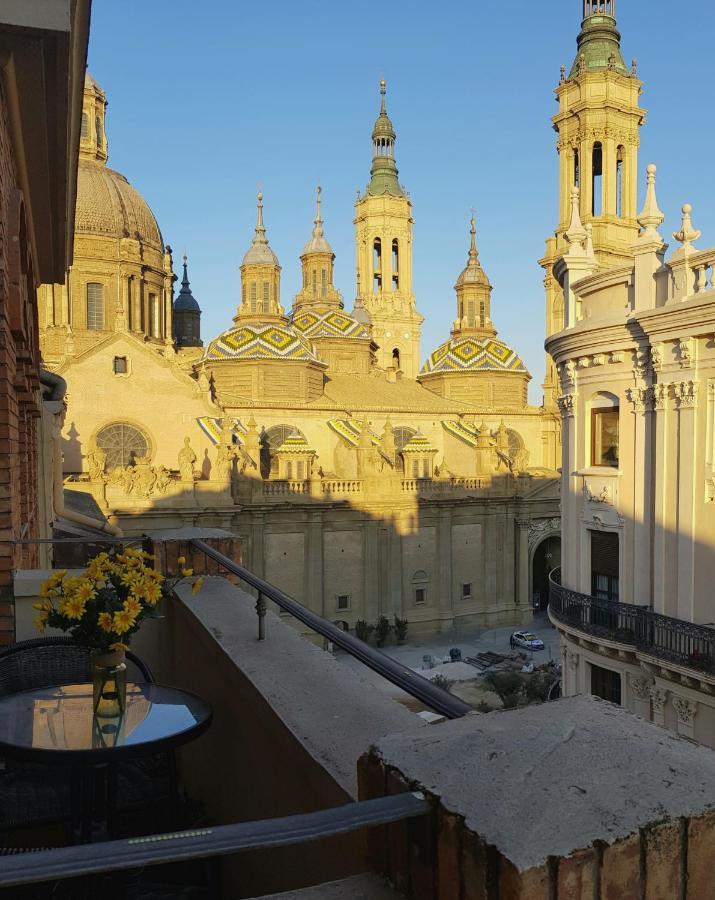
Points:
(420, 582)
(597, 172)
(84, 133)
(315, 282)
(123, 444)
(254, 298)
(396, 358)
(266, 296)
(95, 306)
(604, 430)
(482, 314)
(323, 283)
(395, 265)
(271, 439)
(98, 130)
(576, 169)
(620, 154)
(377, 265)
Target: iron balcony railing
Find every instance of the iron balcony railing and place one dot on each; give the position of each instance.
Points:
(673, 640)
(202, 843)
(404, 678)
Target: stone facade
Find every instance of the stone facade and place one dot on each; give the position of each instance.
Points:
(636, 347)
(361, 486)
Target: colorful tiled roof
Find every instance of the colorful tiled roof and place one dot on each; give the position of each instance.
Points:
(295, 443)
(473, 354)
(333, 323)
(261, 341)
(211, 427)
(418, 443)
(463, 430)
(350, 431)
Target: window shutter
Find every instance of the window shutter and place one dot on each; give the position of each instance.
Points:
(604, 553)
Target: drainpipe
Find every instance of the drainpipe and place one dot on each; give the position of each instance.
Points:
(56, 396)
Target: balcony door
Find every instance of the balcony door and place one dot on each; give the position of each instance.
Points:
(604, 565)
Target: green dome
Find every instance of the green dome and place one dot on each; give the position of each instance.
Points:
(599, 47)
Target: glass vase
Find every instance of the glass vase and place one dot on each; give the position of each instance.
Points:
(109, 683)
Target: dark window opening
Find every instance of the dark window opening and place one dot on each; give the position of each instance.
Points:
(343, 601)
(395, 265)
(420, 595)
(604, 566)
(120, 365)
(98, 129)
(467, 590)
(377, 265)
(576, 169)
(619, 183)
(597, 172)
(606, 684)
(396, 358)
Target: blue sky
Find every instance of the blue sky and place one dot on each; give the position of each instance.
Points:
(207, 101)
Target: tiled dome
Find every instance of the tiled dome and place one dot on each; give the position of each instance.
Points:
(473, 354)
(331, 324)
(261, 341)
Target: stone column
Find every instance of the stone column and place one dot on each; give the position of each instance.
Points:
(444, 562)
(658, 698)
(662, 599)
(686, 393)
(522, 566)
(640, 588)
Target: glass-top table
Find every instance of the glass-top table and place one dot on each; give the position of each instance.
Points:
(57, 725)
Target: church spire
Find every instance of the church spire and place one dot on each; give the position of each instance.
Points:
(383, 172)
(473, 293)
(186, 315)
(260, 277)
(317, 266)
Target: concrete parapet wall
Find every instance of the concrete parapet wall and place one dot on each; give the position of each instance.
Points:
(565, 801)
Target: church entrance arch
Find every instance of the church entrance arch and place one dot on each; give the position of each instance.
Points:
(546, 558)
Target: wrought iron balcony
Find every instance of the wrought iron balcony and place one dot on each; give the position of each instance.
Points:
(663, 637)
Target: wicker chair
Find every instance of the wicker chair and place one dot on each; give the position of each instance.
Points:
(42, 662)
(32, 794)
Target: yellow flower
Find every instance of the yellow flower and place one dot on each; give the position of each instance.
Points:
(181, 560)
(130, 577)
(72, 607)
(85, 591)
(196, 586)
(118, 645)
(187, 573)
(98, 567)
(132, 605)
(44, 606)
(123, 620)
(105, 621)
(40, 622)
(151, 592)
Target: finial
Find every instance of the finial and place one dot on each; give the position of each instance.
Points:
(260, 227)
(634, 66)
(651, 217)
(588, 243)
(383, 91)
(473, 255)
(687, 233)
(576, 233)
(318, 221)
(563, 74)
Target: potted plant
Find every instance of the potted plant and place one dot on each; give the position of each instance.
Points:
(363, 630)
(103, 608)
(401, 630)
(382, 630)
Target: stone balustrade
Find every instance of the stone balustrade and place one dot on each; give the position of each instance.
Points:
(283, 488)
(342, 486)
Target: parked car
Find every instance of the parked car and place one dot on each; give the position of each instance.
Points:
(526, 640)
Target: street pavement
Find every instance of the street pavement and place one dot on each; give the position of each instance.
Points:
(469, 641)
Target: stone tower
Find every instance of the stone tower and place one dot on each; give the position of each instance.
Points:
(383, 236)
(316, 263)
(598, 126)
(260, 279)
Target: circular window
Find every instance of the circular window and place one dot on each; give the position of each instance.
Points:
(123, 444)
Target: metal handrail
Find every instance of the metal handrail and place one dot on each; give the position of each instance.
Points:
(664, 637)
(404, 678)
(201, 843)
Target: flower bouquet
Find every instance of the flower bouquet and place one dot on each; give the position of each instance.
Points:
(103, 608)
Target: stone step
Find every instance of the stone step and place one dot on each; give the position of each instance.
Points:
(359, 887)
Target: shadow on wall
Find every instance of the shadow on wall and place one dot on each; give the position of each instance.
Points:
(72, 449)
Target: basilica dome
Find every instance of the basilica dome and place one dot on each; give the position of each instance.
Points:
(108, 205)
(473, 354)
(259, 341)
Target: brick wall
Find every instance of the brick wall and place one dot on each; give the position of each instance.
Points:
(19, 381)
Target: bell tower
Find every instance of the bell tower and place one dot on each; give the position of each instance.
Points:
(383, 238)
(598, 125)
